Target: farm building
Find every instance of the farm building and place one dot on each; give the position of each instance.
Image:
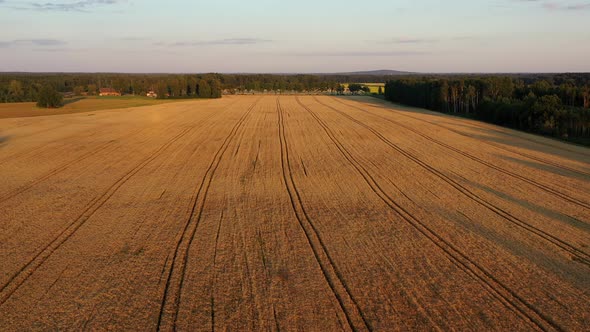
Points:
(108, 92)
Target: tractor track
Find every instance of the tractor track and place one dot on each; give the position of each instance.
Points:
(579, 255)
(496, 145)
(288, 213)
(30, 152)
(330, 271)
(61, 168)
(19, 278)
(170, 300)
(19, 155)
(537, 184)
(214, 277)
(494, 286)
(86, 155)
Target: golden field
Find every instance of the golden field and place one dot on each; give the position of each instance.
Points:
(289, 213)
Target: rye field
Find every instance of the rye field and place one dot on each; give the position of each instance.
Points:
(374, 87)
(269, 213)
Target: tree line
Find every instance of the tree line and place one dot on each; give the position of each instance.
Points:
(20, 87)
(27, 87)
(555, 105)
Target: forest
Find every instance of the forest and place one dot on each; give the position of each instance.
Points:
(553, 105)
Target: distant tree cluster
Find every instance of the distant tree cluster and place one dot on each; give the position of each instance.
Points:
(355, 87)
(278, 83)
(19, 87)
(49, 98)
(557, 105)
(191, 87)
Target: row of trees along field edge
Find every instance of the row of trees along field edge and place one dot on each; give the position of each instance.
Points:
(534, 105)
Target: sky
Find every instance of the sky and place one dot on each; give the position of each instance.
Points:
(304, 36)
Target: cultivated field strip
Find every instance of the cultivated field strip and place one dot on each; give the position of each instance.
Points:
(564, 220)
(579, 254)
(7, 289)
(12, 157)
(520, 136)
(102, 149)
(346, 132)
(547, 188)
(354, 316)
(514, 151)
(98, 200)
(504, 294)
(284, 213)
(61, 168)
(472, 134)
(250, 251)
(349, 130)
(565, 179)
(177, 265)
(63, 133)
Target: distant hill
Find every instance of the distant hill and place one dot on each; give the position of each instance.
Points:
(382, 72)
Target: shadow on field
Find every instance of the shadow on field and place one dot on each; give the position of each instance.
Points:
(546, 168)
(564, 152)
(3, 140)
(486, 131)
(515, 246)
(535, 208)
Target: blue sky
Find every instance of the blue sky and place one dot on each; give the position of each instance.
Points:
(295, 36)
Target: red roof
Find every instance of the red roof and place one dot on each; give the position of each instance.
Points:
(108, 90)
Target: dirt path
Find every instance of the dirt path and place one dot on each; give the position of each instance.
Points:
(289, 213)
